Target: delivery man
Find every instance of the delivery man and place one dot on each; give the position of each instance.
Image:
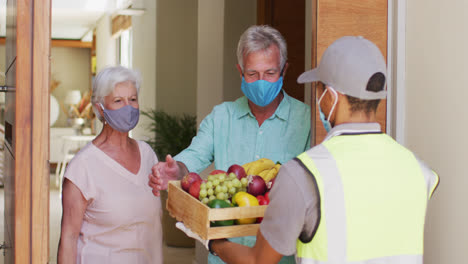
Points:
(359, 196)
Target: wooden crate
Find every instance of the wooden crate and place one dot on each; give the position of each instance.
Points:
(197, 216)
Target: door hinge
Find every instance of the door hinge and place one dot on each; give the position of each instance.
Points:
(3, 247)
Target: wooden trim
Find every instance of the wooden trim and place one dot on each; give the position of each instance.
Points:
(23, 115)
(68, 43)
(40, 133)
(313, 101)
(32, 124)
(120, 23)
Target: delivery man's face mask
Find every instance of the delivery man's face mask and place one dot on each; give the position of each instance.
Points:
(326, 122)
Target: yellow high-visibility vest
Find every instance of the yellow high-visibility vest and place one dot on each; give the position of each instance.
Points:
(373, 197)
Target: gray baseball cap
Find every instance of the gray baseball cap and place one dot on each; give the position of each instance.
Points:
(347, 65)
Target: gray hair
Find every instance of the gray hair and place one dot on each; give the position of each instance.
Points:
(107, 79)
(257, 38)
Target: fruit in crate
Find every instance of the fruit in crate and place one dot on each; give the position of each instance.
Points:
(257, 166)
(256, 185)
(262, 200)
(220, 204)
(264, 168)
(215, 172)
(188, 179)
(238, 170)
(194, 189)
(242, 199)
(219, 185)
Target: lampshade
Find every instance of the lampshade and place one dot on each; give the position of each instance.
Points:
(73, 97)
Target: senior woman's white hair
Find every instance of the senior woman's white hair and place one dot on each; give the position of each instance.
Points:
(257, 38)
(107, 79)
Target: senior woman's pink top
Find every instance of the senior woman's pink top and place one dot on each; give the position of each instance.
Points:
(122, 223)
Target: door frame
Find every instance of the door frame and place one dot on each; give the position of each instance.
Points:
(396, 70)
(31, 133)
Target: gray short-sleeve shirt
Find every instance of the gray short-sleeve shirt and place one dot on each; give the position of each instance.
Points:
(294, 209)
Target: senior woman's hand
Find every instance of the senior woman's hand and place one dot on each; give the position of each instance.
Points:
(163, 172)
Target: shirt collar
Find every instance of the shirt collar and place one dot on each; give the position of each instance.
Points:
(354, 128)
(281, 112)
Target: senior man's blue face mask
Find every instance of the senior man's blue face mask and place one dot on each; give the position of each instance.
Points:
(262, 92)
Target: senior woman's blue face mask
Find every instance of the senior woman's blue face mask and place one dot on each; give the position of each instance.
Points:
(123, 119)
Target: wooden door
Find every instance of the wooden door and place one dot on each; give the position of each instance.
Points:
(288, 17)
(27, 132)
(333, 19)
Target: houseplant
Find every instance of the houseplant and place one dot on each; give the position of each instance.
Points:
(171, 135)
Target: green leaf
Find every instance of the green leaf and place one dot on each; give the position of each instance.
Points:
(172, 133)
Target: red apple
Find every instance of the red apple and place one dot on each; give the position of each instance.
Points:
(194, 189)
(217, 172)
(238, 170)
(188, 179)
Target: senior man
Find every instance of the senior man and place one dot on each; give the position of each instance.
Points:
(359, 196)
(265, 123)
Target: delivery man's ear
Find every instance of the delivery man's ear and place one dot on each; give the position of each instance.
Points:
(239, 69)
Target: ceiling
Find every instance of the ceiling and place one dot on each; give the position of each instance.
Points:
(73, 19)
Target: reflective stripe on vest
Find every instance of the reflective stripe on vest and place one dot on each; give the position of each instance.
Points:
(342, 168)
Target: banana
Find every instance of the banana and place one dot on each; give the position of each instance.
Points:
(272, 173)
(259, 166)
(264, 173)
(247, 166)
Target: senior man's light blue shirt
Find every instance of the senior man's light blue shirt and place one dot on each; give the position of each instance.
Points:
(230, 135)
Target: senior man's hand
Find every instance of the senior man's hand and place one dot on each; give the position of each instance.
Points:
(162, 173)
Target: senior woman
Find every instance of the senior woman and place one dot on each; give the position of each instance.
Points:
(109, 213)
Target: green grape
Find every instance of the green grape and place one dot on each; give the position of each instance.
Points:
(212, 197)
(221, 196)
(225, 189)
(205, 200)
(203, 186)
(219, 189)
(232, 176)
(244, 182)
(229, 184)
(209, 185)
(203, 193)
(236, 183)
(215, 182)
(210, 178)
(222, 177)
(232, 190)
(210, 192)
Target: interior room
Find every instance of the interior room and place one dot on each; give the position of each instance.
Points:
(185, 51)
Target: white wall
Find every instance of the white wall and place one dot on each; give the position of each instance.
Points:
(437, 118)
(238, 16)
(210, 55)
(105, 44)
(144, 60)
(176, 70)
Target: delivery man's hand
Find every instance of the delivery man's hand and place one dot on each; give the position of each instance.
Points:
(162, 173)
(191, 234)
